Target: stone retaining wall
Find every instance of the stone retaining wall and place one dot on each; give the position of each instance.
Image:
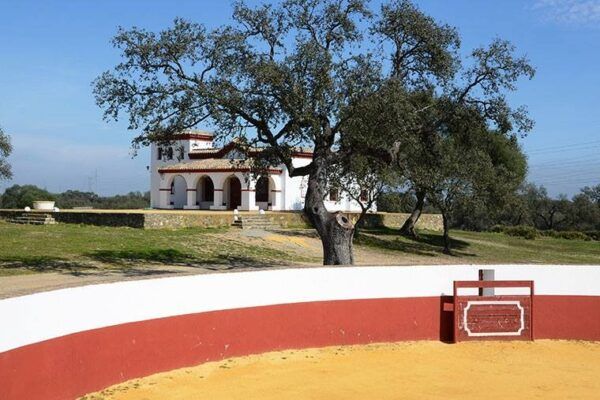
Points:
(186, 219)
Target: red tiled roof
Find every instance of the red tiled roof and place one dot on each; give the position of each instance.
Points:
(213, 165)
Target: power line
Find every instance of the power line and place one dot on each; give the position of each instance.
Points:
(564, 150)
(565, 146)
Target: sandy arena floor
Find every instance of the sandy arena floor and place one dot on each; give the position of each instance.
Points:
(413, 370)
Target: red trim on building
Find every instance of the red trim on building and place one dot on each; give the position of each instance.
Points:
(195, 136)
(302, 154)
(248, 190)
(164, 190)
(183, 170)
(191, 190)
(74, 365)
(218, 190)
(275, 190)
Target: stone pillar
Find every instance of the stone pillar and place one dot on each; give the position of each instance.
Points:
(276, 199)
(218, 202)
(248, 200)
(191, 200)
(164, 200)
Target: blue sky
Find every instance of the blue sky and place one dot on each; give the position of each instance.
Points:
(52, 50)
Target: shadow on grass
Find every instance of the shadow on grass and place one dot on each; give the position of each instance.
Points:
(297, 232)
(173, 257)
(427, 244)
(130, 263)
(39, 264)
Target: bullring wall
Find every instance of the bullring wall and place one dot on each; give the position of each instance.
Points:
(65, 343)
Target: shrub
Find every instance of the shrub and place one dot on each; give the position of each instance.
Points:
(593, 235)
(572, 235)
(524, 231)
(497, 228)
(547, 232)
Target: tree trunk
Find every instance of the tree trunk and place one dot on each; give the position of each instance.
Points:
(335, 229)
(357, 223)
(446, 235)
(408, 228)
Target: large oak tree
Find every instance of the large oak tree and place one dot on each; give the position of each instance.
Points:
(299, 73)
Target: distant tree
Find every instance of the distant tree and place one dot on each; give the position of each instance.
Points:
(544, 211)
(5, 150)
(592, 193)
(76, 198)
(506, 171)
(20, 197)
(582, 213)
(132, 200)
(396, 201)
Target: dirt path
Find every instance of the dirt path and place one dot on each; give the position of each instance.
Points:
(415, 370)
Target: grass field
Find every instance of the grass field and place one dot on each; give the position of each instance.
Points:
(486, 247)
(77, 249)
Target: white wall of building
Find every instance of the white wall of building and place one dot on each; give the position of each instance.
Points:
(288, 193)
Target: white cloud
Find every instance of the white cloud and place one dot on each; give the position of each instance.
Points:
(569, 12)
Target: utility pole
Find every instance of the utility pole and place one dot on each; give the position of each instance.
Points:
(93, 182)
(96, 179)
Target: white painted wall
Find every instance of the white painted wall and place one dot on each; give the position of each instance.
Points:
(292, 189)
(33, 318)
(156, 180)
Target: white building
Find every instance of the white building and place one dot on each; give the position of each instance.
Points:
(191, 174)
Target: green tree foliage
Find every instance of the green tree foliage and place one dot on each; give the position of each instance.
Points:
(532, 206)
(396, 201)
(76, 198)
(592, 193)
(504, 170)
(582, 213)
(20, 197)
(5, 150)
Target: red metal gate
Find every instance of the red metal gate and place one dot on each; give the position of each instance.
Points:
(493, 317)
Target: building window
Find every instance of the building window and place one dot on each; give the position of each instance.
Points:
(173, 187)
(160, 153)
(334, 194)
(170, 153)
(262, 190)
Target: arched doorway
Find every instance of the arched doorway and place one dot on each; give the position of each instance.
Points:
(205, 193)
(262, 193)
(178, 192)
(234, 193)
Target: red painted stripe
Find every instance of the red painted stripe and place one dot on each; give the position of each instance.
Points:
(73, 365)
(566, 317)
(195, 136)
(175, 170)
